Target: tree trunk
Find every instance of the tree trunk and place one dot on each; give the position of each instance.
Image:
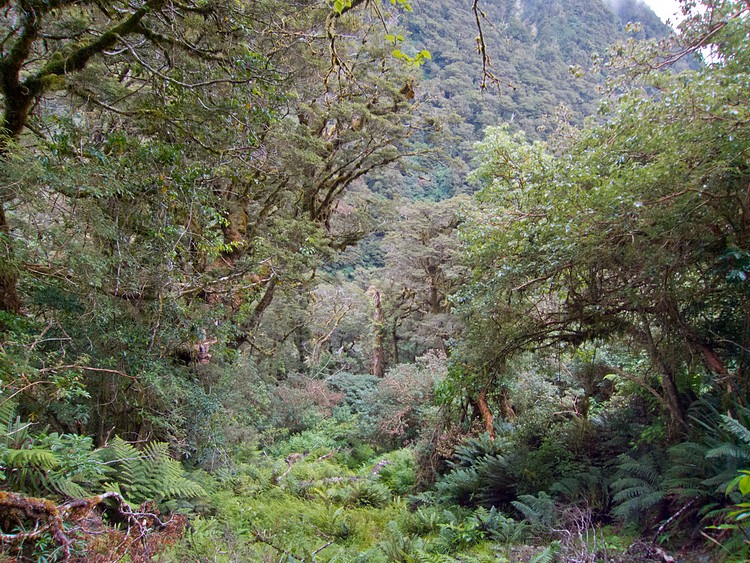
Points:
(9, 300)
(378, 351)
(395, 339)
(673, 401)
(669, 389)
(434, 300)
(486, 413)
(506, 408)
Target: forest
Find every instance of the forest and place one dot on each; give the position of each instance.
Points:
(366, 281)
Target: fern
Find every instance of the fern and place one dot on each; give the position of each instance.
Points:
(34, 458)
(736, 429)
(539, 510)
(460, 486)
(498, 478)
(398, 547)
(725, 445)
(69, 488)
(473, 450)
(549, 554)
(637, 489)
(688, 469)
(729, 451)
(485, 472)
(587, 486)
(148, 475)
(24, 465)
(644, 468)
(44, 464)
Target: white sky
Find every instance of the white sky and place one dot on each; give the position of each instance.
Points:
(665, 9)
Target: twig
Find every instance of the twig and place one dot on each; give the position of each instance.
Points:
(487, 74)
(669, 520)
(321, 548)
(263, 539)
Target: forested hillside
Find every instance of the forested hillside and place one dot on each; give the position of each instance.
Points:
(363, 281)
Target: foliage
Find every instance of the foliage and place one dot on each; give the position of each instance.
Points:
(627, 233)
(548, 554)
(216, 216)
(539, 510)
(637, 488)
(399, 471)
(47, 464)
(147, 475)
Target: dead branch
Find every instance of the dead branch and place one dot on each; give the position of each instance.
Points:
(18, 513)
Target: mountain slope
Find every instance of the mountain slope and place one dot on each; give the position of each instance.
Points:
(533, 44)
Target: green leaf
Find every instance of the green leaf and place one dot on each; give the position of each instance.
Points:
(744, 484)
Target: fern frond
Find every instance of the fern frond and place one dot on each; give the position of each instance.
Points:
(474, 449)
(549, 555)
(643, 468)
(730, 451)
(631, 492)
(460, 486)
(719, 482)
(625, 483)
(736, 429)
(69, 488)
(35, 458)
(150, 474)
(639, 503)
(538, 510)
(638, 488)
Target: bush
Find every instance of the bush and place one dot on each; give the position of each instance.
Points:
(302, 402)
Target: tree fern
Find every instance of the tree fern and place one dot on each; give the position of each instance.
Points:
(726, 442)
(498, 477)
(688, 468)
(474, 449)
(460, 486)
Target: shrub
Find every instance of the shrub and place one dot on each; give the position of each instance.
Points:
(302, 402)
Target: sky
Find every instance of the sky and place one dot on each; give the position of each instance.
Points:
(664, 8)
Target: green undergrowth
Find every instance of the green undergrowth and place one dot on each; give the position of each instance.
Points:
(327, 503)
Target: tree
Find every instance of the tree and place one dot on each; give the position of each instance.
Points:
(179, 168)
(421, 271)
(639, 229)
(139, 61)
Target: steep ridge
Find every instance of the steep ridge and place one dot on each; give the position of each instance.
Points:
(533, 45)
